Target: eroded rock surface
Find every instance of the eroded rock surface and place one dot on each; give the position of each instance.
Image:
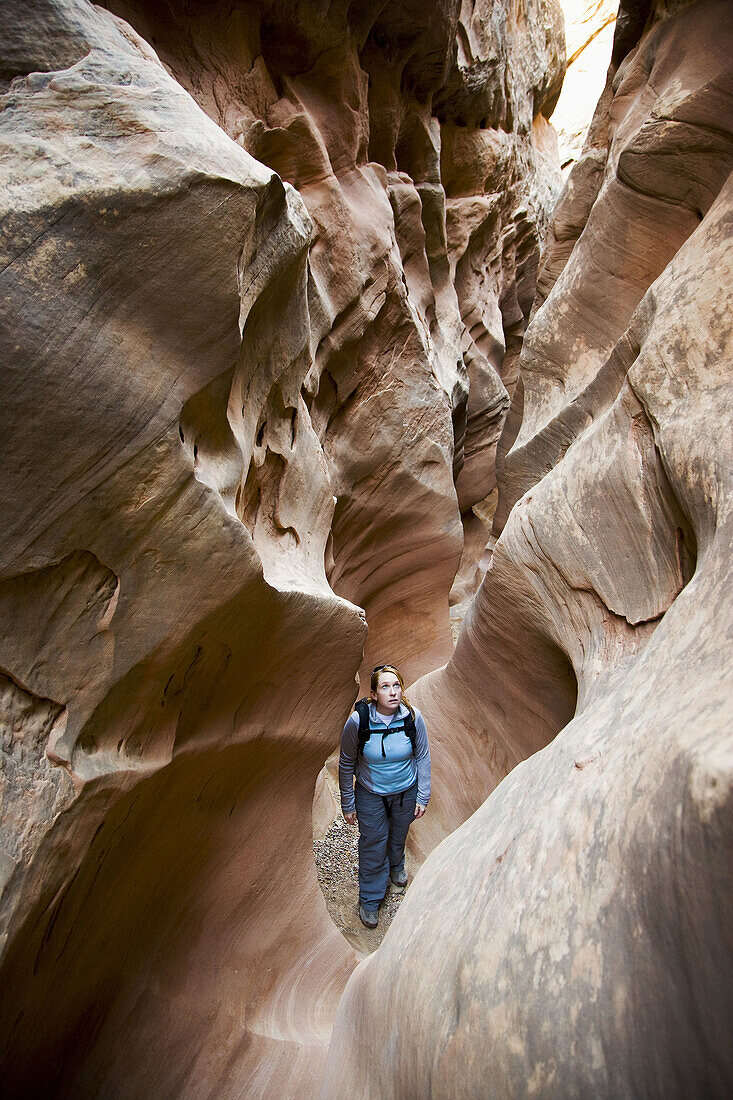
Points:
(572, 938)
(143, 652)
(417, 138)
(265, 273)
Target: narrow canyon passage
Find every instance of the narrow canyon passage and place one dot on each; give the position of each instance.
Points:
(313, 359)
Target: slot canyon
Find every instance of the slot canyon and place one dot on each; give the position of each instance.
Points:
(332, 337)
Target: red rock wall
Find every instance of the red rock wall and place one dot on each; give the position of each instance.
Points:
(572, 937)
(265, 275)
(416, 138)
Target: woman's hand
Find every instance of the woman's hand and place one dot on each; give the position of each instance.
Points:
(350, 819)
(419, 810)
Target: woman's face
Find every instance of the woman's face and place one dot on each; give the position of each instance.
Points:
(388, 695)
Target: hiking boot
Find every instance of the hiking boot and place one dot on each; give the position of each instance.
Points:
(369, 917)
(399, 878)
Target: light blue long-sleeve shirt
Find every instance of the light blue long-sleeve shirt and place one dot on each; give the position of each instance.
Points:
(390, 773)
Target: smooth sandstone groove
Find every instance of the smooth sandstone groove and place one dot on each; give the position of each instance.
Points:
(154, 712)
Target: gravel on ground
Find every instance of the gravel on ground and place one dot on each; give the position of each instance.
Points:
(337, 863)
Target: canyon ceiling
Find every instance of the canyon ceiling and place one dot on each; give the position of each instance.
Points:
(309, 361)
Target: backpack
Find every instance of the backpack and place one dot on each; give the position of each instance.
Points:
(362, 709)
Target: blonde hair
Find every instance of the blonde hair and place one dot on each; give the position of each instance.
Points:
(374, 682)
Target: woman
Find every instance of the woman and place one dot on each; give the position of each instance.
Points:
(391, 764)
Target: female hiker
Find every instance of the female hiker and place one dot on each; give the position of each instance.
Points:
(384, 745)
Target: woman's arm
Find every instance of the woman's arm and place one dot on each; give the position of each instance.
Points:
(422, 759)
(347, 766)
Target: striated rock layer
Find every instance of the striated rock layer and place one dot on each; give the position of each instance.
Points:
(573, 937)
(153, 658)
(265, 272)
(416, 137)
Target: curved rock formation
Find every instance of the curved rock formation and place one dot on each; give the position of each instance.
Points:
(264, 279)
(429, 179)
(572, 937)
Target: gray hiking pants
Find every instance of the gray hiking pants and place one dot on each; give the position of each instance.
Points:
(384, 821)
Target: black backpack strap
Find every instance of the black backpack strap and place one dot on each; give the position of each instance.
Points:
(362, 709)
(410, 729)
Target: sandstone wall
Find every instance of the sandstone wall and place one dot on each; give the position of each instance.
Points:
(417, 138)
(572, 938)
(266, 268)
